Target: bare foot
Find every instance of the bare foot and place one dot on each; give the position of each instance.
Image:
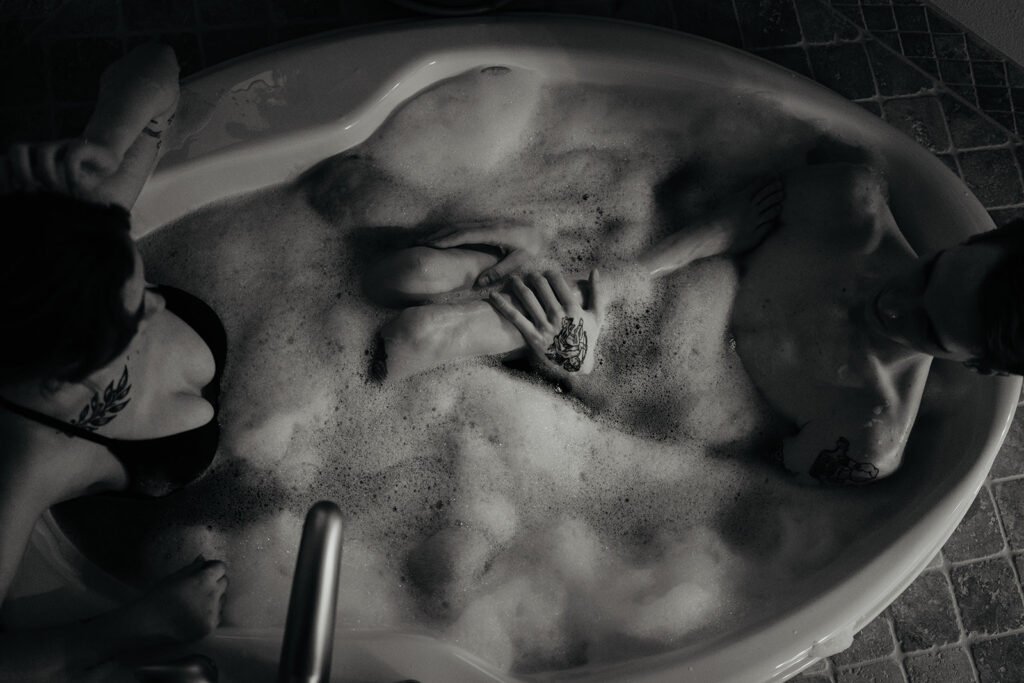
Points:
(185, 605)
(755, 212)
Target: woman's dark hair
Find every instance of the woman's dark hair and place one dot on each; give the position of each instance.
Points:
(1001, 302)
(63, 266)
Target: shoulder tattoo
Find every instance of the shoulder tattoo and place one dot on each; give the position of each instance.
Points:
(835, 466)
(102, 409)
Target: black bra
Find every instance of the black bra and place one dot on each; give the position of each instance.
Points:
(159, 466)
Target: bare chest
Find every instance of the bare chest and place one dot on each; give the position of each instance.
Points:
(798, 324)
(151, 390)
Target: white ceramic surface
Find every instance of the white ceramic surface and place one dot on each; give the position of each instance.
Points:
(273, 114)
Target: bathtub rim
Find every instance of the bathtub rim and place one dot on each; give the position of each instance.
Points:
(785, 658)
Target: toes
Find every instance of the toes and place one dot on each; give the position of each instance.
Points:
(769, 197)
(766, 190)
(770, 208)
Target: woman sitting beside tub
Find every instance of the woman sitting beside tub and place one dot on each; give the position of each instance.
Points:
(836, 319)
(107, 383)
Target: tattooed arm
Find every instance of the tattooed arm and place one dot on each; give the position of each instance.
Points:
(845, 449)
(738, 225)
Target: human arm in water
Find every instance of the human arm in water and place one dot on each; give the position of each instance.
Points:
(423, 337)
(460, 256)
(737, 226)
(121, 144)
(550, 316)
(475, 254)
(856, 441)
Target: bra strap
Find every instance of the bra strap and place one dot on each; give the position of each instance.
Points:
(42, 418)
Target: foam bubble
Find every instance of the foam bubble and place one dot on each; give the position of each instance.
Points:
(537, 529)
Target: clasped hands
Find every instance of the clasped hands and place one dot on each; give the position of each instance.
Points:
(558, 326)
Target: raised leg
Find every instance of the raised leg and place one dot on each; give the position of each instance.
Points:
(423, 337)
(417, 274)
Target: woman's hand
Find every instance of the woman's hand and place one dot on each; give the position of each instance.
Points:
(187, 604)
(74, 166)
(147, 77)
(556, 327)
(138, 96)
(518, 242)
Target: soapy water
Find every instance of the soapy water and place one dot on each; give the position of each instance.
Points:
(537, 529)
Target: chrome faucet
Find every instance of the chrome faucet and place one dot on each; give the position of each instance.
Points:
(309, 629)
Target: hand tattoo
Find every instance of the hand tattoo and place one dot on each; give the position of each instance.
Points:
(569, 347)
(837, 467)
(100, 411)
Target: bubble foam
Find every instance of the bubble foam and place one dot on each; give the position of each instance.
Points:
(538, 529)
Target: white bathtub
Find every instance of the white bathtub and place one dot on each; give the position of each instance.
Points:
(277, 112)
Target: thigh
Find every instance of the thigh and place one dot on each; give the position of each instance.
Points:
(418, 273)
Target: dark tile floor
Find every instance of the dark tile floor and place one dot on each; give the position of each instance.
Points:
(963, 618)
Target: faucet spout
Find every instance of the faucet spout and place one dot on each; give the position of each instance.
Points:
(309, 629)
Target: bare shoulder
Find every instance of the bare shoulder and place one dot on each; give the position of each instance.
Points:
(842, 201)
(854, 442)
(838, 453)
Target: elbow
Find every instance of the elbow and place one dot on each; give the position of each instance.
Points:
(843, 466)
(839, 467)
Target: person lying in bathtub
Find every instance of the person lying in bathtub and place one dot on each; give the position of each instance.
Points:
(107, 383)
(836, 320)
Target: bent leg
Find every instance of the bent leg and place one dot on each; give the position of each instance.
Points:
(416, 274)
(423, 337)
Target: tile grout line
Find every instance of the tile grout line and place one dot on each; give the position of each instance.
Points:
(938, 81)
(1017, 165)
(931, 42)
(954, 152)
(739, 24)
(964, 642)
(938, 85)
(1006, 552)
(803, 40)
(1009, 92)
(898, 655)
(944, 567)
(200, 34)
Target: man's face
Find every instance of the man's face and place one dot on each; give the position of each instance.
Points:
(932, 307)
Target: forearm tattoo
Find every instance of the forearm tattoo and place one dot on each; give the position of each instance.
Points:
(102, 409)
(569, 347)
(837, 467)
